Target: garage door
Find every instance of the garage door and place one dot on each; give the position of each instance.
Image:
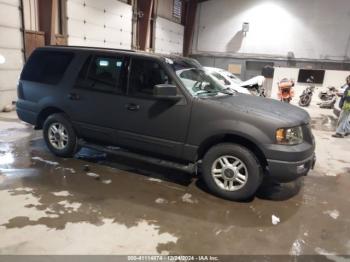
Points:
(102, 23)
(169, 37)
(11, 46)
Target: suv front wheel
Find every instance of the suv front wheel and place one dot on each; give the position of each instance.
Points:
(231, 171)
(60, 136)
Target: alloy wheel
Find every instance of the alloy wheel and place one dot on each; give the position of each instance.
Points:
(229, 173)
(58, 136)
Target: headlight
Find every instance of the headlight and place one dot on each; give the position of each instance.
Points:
(289, 136)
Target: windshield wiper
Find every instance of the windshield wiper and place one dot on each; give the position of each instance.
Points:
(212, 92)
(228, 91)
(202, 92)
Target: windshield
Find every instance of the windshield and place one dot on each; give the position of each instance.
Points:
(221, 78)
(195, 79)
(233, 77)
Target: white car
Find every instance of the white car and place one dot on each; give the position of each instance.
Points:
(234, 82)
(190, 77)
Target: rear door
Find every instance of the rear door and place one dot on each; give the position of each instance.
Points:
(95, 101)
(150, 124)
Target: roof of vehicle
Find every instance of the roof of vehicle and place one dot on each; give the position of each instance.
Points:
(114, 50)
(219, 70)
(213, 69)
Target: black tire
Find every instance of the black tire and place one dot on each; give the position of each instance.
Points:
(72, 144)
(254, 175)
(305, 100)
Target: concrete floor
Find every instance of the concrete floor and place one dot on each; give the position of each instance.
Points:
(102, 205)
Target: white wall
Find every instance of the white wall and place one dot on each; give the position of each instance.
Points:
(332, 78)
(169, 37)
(102, 23)
(311, 29)
(11, 55)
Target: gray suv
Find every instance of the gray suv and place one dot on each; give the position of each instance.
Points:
(163, 110)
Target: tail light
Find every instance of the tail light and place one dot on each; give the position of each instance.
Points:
(20, 93)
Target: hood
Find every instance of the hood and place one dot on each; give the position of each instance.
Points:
(257, 80)
(239, 89)
(286, 114)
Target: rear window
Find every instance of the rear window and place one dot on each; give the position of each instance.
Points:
(46, 67)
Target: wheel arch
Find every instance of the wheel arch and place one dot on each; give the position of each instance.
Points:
(45, 113)
(236, 139)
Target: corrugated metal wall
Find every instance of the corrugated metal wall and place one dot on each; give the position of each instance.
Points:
(169, 37)
(169, 33)
(102, 23)
(11, 49)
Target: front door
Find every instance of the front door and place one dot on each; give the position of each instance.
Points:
(150, 124)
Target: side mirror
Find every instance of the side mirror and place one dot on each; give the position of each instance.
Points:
(166, 92)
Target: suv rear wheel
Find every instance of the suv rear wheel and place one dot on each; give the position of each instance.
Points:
(231, 171)
(60, 136)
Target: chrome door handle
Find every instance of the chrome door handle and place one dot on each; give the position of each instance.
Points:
(73, 96)
(132, 107)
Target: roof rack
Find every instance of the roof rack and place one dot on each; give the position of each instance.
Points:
(90, 47)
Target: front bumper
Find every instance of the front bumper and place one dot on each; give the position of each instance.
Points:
(284, 172)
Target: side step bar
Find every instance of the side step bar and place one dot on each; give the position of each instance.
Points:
(190, 168)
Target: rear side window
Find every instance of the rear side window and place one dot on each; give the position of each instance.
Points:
(103, 73)
(47, 67)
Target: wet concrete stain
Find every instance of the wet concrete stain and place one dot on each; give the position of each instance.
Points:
(324, 123)
(193, 220)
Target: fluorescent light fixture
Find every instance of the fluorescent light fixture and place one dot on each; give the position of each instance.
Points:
(2, 59)
(245, 27)
(6, 159)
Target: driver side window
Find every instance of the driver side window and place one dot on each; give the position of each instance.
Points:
(144, 75)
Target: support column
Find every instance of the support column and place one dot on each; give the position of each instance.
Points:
(144, 8)
(189, 21)
(47, 12)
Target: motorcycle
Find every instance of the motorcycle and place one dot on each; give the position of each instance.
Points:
(306, 97)
(329, 94)
(255, 86)
(285, 90)
(329, 98)
(257, 91)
